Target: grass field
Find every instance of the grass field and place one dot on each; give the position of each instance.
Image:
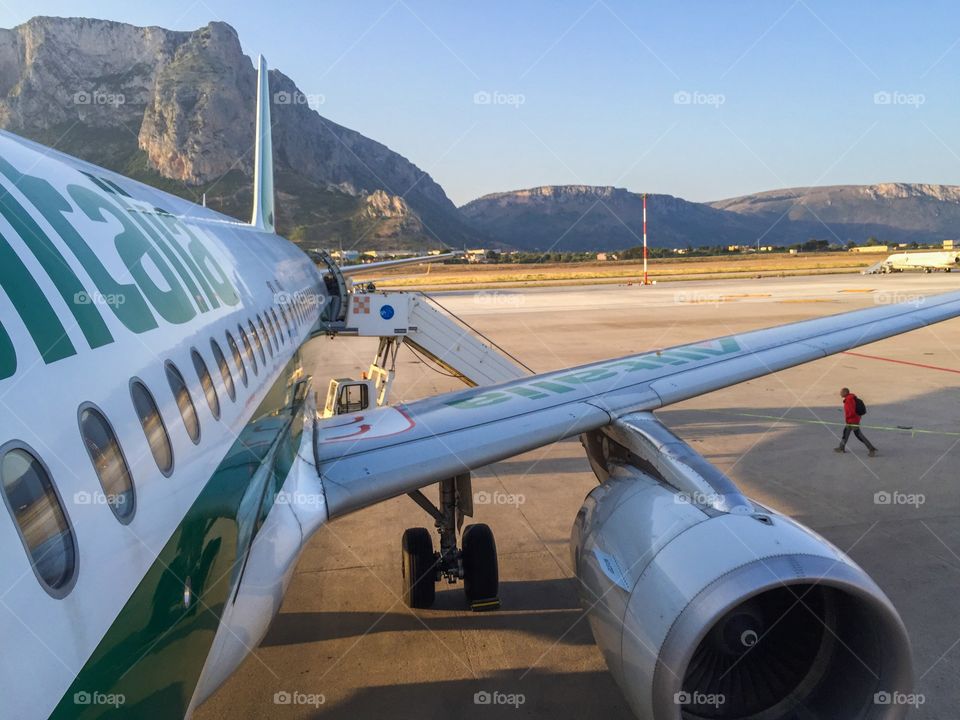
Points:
(447, 277)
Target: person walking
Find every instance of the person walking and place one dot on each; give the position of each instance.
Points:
(853, 410)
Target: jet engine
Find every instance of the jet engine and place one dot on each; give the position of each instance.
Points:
(708, 606)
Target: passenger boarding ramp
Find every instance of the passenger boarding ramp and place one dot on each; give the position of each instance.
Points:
(430, 331)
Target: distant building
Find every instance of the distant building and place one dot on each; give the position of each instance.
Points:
(949, 245)
(680, 251)
(602, 257)
(870, 249)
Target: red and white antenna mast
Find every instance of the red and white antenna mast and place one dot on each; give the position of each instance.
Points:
(645, 281)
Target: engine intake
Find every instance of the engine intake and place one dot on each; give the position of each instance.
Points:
(705, 615)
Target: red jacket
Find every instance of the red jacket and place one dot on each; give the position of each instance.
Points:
(850, 409)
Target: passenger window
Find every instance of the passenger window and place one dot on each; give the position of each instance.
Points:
(275, 324)
(247, 350)
(187, 411)
(108, 462)
(153, 427)
(286, 321)
(41, 521)
(224, 369)
(237, 358)
(206, 382)
(257, 342)
(265, 335)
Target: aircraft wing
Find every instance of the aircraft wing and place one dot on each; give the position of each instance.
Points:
(388, 451)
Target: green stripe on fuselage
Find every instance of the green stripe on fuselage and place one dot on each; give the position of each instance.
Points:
(156, 648)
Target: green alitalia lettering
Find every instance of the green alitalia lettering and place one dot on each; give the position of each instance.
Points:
(88, 317)
(98, 182)
(527, 392)
(187, 259)
(174, 261)
(172, 304)
(116, 187)
(552, 386)
(484, 399)
(8, 356)
(129, 307)
(31, 305)
(204, 258)
(689, 354)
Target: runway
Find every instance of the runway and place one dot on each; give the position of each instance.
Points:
(344, 637)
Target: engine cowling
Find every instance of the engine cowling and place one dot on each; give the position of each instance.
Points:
(720, 616)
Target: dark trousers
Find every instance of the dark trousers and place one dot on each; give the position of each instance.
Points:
(855, 429)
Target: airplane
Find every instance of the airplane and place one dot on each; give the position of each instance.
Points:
(163, 464)
(928, 262)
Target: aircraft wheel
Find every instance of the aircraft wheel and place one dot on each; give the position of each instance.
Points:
(419, 566)
(481, 581)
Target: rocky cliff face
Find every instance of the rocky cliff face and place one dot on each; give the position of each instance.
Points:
(177, 109)
(901, 211)
(583, 217)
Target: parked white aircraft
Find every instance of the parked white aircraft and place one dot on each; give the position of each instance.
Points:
(163, 465)
(946, 261)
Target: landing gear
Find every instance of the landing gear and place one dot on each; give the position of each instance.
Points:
(419, 568)
(475, 564)
(480, 570)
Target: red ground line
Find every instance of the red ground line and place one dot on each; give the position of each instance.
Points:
(902, 362)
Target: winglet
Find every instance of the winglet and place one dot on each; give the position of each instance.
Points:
(263, 216)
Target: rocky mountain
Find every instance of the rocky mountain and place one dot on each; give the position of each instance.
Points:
(901, 212)
(176, 109)
(583, 217)
(577, 217)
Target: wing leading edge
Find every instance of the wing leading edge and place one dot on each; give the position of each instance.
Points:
(389, 451)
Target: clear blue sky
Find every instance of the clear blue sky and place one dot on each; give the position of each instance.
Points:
(778, 93)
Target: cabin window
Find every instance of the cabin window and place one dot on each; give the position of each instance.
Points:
(206, 383)
(153, 427)
(224, 369)
(257, 342)
(247, 349)
(237, 358)
(275, 325)
(286, 321)
(36, 509)
(187, 411)
(108, 462)
(265, 335)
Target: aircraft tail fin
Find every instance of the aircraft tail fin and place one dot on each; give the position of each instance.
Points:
(263, 212)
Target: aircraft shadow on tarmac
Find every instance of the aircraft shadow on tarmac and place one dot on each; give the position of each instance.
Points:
(547, 608)
(544, 694)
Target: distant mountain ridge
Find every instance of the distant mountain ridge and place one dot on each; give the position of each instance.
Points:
(584, 217)
(176, 109)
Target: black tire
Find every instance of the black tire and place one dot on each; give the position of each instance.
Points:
(419, 568)
(481, 579)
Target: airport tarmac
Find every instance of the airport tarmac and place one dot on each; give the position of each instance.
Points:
(344, 636)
